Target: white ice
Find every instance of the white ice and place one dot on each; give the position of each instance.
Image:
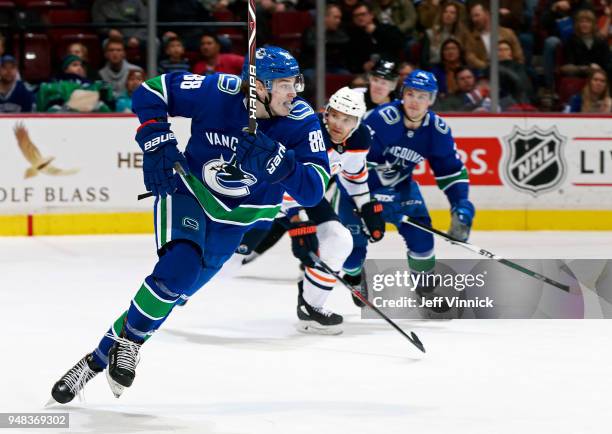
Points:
(231, 361)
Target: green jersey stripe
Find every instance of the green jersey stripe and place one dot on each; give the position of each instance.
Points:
(445, 181)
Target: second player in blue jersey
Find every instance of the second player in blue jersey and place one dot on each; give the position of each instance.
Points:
(405, 133)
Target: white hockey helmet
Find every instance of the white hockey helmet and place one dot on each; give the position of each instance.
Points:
(350, 102)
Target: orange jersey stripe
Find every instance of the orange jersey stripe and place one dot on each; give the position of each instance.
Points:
(358, 176)
(318, 276)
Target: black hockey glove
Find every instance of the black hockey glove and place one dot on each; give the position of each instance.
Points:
(374, 224)
(303, 241)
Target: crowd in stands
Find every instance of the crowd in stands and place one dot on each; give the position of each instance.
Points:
(554, 55)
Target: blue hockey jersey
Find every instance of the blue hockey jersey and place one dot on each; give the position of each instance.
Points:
(217, 108)
(397, 150)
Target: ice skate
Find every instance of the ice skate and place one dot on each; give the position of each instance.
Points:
(357, 282)
(123, 358)
(73, 381)
(317, 320)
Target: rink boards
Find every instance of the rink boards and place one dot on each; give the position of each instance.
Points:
(78, 174)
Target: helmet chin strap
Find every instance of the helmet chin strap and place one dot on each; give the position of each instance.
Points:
(266, 104)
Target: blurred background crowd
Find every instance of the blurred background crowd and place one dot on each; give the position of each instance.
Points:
(554, 55)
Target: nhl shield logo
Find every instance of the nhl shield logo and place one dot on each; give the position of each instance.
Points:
(535, 161)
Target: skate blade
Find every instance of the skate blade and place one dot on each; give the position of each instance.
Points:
(115, 387)
(314, 328)
(51, 403)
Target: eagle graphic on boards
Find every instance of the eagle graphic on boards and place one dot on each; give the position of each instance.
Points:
(535, 162)
(38, 162)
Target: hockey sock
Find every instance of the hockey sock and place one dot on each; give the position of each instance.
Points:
(177, 270)
(317, 286)
(148, 310)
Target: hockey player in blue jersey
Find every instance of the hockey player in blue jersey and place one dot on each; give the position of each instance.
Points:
(406, 133)
(234, 180)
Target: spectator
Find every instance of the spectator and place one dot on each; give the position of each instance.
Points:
(449, 23)
(603, 24)
(212, 60)
(359, 81)
(263, 14)
(175, 61)
(216, 5)
(470, 96)
(514, 14)
(429, 10)
(134, 79)
(81, 51)
(452, 57)
(2, 44)
(123, 12)
(398, 13)
(336, 42)
(72, 91)
(595, 95)
(73, 69)
(585, 49)
(557, 23)
(514, 83)
(403, 70)
(117, 68)
(478, 42)
(382, 83)
(185, 10)
(347, 7)
(511, 14)
(14, 96)
(371, 40)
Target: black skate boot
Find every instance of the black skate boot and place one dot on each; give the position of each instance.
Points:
(122, 360)
(317, 320)
(358, 283)
(75, 379)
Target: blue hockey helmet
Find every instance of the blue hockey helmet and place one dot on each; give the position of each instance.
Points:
(423, 81)
(273, 63)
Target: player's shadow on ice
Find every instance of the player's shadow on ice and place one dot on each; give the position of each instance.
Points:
(288, 343)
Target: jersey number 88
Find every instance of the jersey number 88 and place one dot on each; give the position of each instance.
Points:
(316, 141)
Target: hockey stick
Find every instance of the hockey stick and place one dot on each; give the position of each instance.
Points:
(413, 338)
(179, 169)
(252, 96)
(487, 254)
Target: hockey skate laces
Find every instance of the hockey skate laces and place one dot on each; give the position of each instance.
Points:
(78, 376)
(323, 311)
(126, 359)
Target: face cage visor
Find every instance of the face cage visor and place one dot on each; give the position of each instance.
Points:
(297, 87)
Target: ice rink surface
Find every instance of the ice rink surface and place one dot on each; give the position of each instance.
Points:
(231, 361)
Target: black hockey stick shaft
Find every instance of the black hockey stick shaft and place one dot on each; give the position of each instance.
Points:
(413, 338)
(487, 254)
(179, 169)
(252, 70)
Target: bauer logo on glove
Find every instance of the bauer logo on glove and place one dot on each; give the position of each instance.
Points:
(277, 160)
(151, 145)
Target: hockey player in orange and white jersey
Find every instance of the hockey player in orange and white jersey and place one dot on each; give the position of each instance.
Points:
(318, 229)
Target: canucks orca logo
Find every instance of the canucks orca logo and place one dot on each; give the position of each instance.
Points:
(226, 178)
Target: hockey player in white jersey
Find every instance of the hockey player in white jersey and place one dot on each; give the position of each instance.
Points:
(318, 229)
